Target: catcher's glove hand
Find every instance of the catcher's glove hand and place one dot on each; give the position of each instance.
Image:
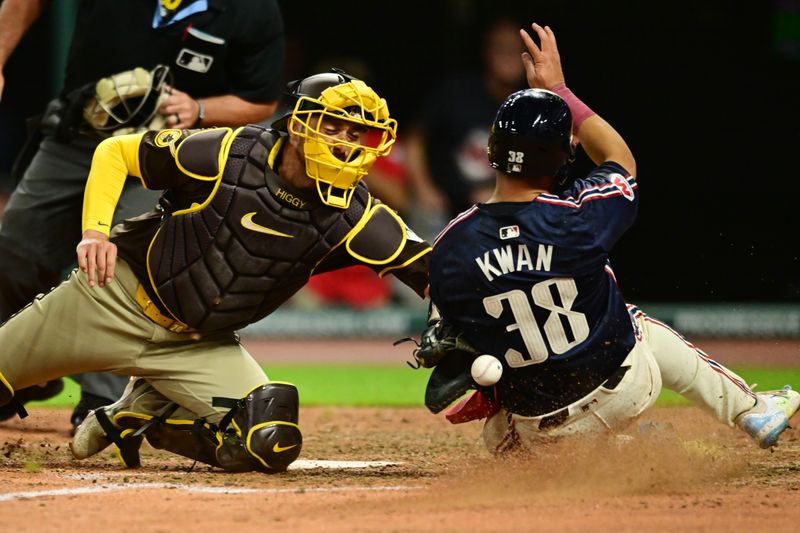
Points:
(437, 341)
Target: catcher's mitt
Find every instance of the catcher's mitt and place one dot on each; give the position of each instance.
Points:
(449, 381)
(437, 341)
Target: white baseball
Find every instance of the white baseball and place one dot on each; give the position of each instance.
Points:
(486, 370)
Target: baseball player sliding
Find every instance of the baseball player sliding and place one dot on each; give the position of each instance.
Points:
(526, 278)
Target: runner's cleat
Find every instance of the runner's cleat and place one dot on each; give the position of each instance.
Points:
(770, 416)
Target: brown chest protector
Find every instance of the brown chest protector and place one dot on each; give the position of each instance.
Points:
(253, 244)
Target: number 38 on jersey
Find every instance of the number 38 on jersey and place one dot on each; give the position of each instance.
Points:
(552, 331)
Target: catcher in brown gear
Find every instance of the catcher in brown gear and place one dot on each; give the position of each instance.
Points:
(246, 217)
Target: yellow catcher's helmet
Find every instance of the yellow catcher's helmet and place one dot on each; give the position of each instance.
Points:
(337, 95)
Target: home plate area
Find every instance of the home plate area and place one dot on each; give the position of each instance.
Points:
(128, 481)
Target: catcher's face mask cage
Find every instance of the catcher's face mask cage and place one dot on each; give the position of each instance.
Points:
(128, 102)
(345, 129)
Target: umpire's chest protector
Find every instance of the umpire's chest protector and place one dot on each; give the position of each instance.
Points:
(251, 245)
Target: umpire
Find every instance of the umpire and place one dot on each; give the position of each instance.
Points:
(224, 60)
(246, 217)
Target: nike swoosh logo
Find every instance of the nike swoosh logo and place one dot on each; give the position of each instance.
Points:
(278, 448)
(247, 222)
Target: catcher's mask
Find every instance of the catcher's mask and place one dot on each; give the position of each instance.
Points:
(531, 136)
(321, 106)
(128, 102)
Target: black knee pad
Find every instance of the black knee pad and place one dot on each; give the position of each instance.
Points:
(259, 433)
(276, 400)
(275, 445)
(267, 422)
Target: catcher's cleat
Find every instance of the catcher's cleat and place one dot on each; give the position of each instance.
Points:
(97, 432)
(90, 438)
(770, 416)
(88, 402)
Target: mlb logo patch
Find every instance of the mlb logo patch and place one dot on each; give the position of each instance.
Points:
(189, 59)
(509, 232)
(514, 168)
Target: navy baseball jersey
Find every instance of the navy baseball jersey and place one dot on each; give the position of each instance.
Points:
(531, 283)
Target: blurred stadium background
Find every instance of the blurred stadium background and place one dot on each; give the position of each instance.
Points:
(706, 93)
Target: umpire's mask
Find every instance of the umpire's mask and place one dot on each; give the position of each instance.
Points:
(128, 102)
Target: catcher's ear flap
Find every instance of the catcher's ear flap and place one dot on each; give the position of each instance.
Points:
(449, 381)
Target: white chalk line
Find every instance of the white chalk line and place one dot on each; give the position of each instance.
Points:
(301, 464)
(189, 488)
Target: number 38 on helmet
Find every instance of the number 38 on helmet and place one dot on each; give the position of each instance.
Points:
(531, 135)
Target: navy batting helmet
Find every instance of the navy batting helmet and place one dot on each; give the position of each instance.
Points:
(532, 135)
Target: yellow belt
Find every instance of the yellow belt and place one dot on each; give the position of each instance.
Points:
(152, 312)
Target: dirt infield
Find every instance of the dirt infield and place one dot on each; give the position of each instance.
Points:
(680, 471)
(407, 470)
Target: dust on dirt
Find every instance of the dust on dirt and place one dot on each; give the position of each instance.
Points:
(676, 469)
